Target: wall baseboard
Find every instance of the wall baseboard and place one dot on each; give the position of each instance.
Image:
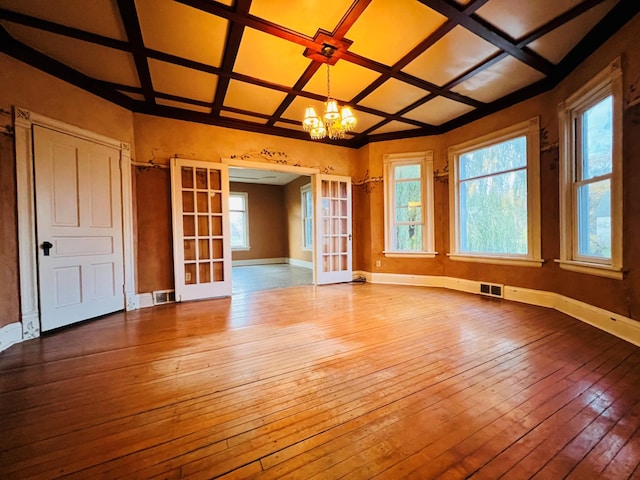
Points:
(10, 334)
(613, 323)
(259, 261)
(299, 263)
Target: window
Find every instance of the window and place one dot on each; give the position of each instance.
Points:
(494, 197)
(239, 219)
(591, 176)
(307, 217)
(408, 205)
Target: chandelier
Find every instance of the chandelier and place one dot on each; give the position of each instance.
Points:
(334, 123)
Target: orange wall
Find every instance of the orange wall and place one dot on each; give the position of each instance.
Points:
(154, 250)
(267, 221)
(293, 203)
(9, 305)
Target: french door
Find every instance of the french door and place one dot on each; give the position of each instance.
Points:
(333, 229)
(201, 234)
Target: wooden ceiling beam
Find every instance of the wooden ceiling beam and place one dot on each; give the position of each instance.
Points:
(56, 28)
(232, 46)
(129, 16)
(490, 34)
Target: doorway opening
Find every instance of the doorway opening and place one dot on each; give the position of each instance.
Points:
(271, 229)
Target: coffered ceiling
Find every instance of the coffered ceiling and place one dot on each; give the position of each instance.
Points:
(406, 67)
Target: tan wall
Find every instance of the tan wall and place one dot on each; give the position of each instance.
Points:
(267, 221)
(621, 297)
(293, 202)
(9, 304)
(154, 251)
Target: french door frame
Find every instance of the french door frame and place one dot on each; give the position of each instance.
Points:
(24, 120)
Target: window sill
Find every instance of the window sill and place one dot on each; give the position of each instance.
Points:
(591, 268)
(498, 260)
(240, 249)
(410, 254)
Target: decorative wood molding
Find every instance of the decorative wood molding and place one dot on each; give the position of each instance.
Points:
(27, 263)
(10, 334)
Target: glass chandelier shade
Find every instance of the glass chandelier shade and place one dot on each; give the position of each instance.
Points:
(335, 122)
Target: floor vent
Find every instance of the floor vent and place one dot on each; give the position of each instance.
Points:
(163, 296)
(491, 289)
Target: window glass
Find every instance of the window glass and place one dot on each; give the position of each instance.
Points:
(239, 221)
(597, 133)
(493, 199)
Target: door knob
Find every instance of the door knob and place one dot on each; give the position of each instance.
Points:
(46, 246)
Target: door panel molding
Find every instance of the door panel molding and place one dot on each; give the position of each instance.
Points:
(24, 121)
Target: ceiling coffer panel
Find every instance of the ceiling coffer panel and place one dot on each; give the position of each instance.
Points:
(405, 67)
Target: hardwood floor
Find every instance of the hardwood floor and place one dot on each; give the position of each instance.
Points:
(344, 381)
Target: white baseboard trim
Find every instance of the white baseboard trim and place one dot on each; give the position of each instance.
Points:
(259, 261)
(10, 334)
(613, 323)
(299, 263)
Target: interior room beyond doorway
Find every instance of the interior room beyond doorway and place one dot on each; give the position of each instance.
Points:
(271, 249)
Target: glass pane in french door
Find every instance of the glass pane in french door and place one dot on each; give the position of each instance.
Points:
(202, 219)
(335, 231)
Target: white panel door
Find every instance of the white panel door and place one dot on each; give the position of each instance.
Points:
(332, 195)
(201, 234)
(79, 228)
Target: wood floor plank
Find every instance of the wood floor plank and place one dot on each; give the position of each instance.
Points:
(342, 381)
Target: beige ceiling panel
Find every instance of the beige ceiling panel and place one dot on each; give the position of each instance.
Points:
(93, 60)
(393, 127)
(302, 16)
(366, 120)
(438, 111)
(101, 17)
(246, 96)
(240, 116)
(182, 81)
(517, 18)
(389, 29)
(500, 79)
(181, 30)
(455, 53)
(270, 58)
(182, 105)
(555, 45)
(347, 80)
(392, 96)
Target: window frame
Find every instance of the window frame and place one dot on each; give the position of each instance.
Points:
(425, 159)
(246, 245)
(306, 190)
(607, 82)
(533, 258)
